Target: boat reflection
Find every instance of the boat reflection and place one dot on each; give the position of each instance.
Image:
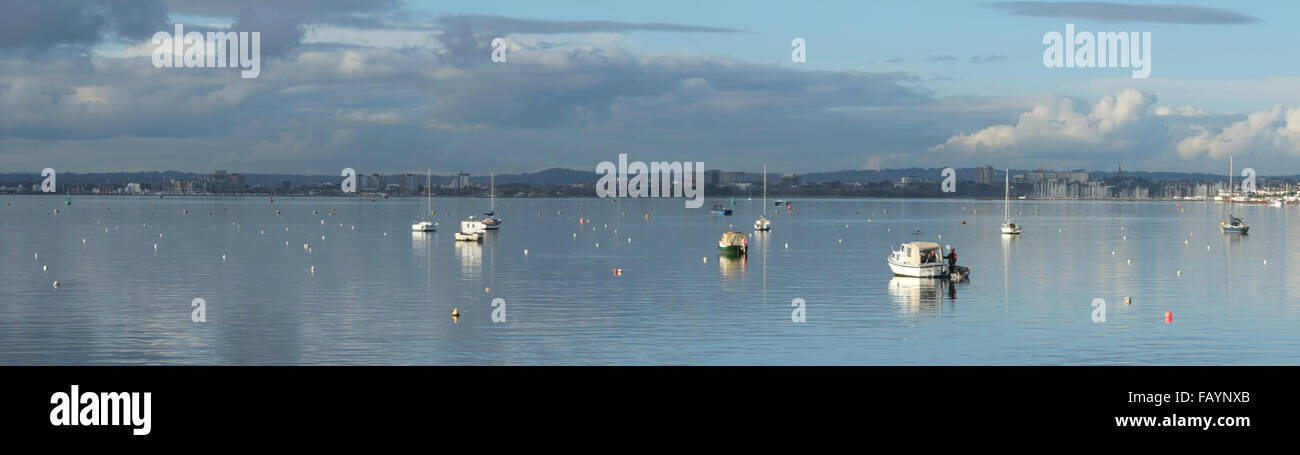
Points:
(421, 243)
(921, 296)
(471, 259)
(732, 268)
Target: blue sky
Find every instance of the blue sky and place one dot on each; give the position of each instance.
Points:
(391, 86)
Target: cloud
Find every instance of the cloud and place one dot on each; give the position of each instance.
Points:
(1060, 126)
(939, 58)
(987, 59)
(1275, 132)
(37, 27)
(1117, 12)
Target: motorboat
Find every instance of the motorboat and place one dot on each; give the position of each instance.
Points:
(919, 260)
(733, 243)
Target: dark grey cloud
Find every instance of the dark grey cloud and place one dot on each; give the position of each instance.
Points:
(980, 59)
(37, 27)
(1118, 12)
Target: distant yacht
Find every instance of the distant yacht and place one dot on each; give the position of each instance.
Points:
(490, 221)
(1231, 224)
(425, 223)
(1009, 227)
(718, 209)
(762, 224)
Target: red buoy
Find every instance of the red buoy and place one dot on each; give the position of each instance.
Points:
(1169, 316)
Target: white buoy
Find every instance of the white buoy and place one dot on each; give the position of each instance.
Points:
(787, 246)
(525, 252)
(706, 259)
(223, 258)
(36, 256)
(45, 268)
(83, 241)
(597, 244)
(1180, 273)
(155, 247)
(313, 270)
(56, 283)
(575, 235)
(629, 240)
(1130, 261)
(1112, 252)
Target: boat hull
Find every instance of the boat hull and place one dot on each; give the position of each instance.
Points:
(732, 250)
(424, 227)
(934, 270)
(469, 237)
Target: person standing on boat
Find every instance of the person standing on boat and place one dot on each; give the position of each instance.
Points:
(952, 258)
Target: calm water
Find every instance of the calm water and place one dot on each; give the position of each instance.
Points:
(381, 294)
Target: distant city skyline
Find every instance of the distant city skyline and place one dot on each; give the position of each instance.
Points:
(406, 85)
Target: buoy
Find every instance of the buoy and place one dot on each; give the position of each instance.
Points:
(455, 314)
(487, 290)
(1169, 316)
(525, 252)
(597, 244)
(787, 246)
(155, 247)
(83, 241)
(56, 283)
(618, 271)
(1185, 242)
(1128, 300)
(963, 222)
(45, 268)
(36, 256)
(1130, 261)
(1266, 262)
(313, 270)
(1180, 273)
(223, 258)
(1112, 252)
(706, 259)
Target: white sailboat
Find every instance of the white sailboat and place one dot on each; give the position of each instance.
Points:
(1231, 224)
(762, 224)
(425, 223)
(1009, 227)
(490, 220)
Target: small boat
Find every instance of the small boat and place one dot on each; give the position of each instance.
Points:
(918, 260)
(67, 200)
(425, 223)
(1009, 227)
(1276, 203)
(718, 209)
(779, 202)
(490, 220)
(1233, 225)
(472, 225)
(762, 224)
(469, 236)
(734, 243)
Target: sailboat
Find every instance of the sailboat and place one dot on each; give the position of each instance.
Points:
(1231, 224)
(1009, 227)
(425, 223)
(762, 224)
(490, 220)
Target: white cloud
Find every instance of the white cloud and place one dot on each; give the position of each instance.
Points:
(1058, 124)
(1272, 132)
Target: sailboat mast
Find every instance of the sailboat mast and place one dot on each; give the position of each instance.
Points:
(1006, 210)
(765, 190)
(492, 179)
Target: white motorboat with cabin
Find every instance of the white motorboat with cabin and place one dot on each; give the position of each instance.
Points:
(918, 260)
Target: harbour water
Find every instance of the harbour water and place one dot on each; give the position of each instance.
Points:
(380, 294)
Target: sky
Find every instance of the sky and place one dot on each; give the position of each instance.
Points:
(394, 86)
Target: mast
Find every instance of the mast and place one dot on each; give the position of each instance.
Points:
(428, 176)
(492, 176)
(764, 190)
(1006, 211)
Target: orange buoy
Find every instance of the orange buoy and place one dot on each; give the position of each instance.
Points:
(1169, 316)
(618, 271)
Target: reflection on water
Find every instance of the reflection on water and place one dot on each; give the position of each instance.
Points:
(920, 296)
(471, 259)
(376, 298)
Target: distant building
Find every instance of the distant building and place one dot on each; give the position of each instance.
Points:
(984, 175)
(461, 182)
(722, 178)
